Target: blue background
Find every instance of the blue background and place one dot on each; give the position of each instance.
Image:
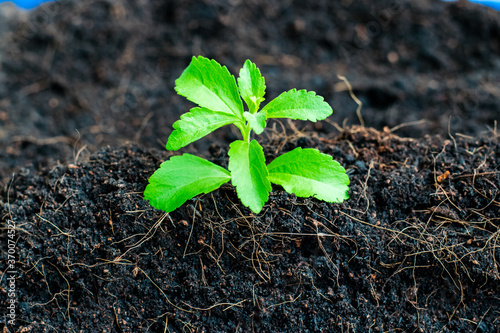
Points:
(28, 4)
(490, 3)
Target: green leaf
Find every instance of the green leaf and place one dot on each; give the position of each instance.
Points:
(298, 104)
(196, 124)
(307, 172)
(210, 85)
(249, 174)
(180, 179)
(252, 86)
(256, 121)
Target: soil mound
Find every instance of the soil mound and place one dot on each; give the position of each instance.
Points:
(92, 73)
(87, 103)
(414, 248)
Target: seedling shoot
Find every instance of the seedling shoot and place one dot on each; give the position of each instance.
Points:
(220, 97)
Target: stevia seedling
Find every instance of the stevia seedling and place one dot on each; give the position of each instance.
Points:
(304, 172)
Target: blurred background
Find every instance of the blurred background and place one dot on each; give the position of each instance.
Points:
(79, 75)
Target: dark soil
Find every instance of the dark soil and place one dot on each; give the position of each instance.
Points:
(415, 249)
(90, 73)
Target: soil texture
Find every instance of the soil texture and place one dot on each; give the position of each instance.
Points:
(87, 102)
(79, 75)
(415, 248)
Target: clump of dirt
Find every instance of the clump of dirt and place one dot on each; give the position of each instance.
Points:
(415, 248)
(79, 75)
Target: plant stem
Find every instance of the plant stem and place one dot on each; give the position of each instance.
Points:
(246, 134)
(245, 131)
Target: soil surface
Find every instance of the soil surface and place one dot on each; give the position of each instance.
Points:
(79, 75)
(415, 249)
(86, 106)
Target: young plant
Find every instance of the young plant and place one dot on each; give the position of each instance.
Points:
(304, 172)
